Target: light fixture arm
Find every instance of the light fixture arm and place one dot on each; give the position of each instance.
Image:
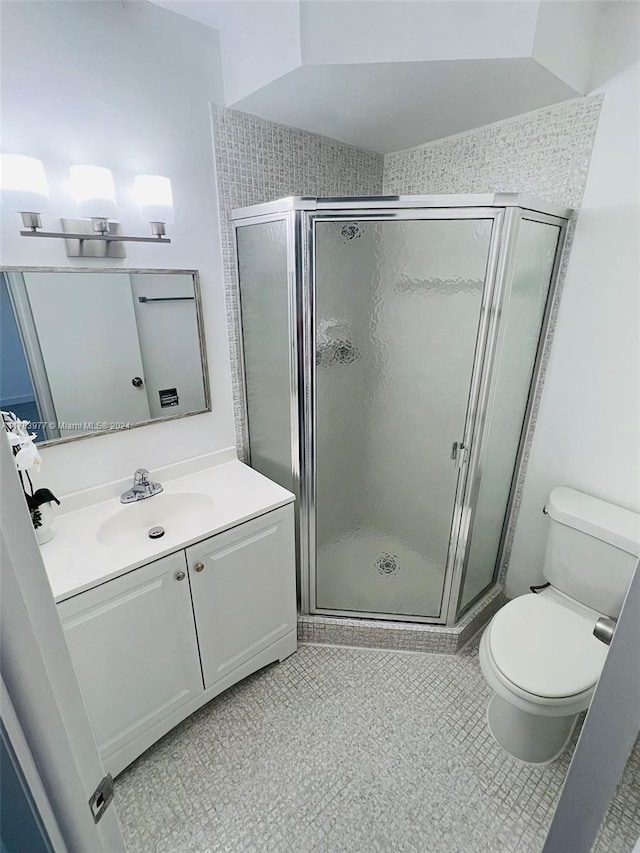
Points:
(97, 237)
(106, 238)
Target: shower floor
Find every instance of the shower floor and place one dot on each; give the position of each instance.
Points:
(371, 572)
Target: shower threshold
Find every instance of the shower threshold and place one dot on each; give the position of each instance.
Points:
(401, 636)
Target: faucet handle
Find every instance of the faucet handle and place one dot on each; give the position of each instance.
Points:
(141, 476)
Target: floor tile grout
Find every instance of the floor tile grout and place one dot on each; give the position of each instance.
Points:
(350, 749)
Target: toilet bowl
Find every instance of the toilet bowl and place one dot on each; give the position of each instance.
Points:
(539, 656)
(538, 653)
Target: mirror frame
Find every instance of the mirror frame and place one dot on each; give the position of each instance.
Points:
(195, 275)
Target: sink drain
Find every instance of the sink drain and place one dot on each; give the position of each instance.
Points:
(156, 532)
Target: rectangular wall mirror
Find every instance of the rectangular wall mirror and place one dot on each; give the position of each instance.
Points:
(92, 351)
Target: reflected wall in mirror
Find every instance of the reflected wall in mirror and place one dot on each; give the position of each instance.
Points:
(91, 351)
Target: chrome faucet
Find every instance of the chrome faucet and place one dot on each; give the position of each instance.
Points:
(142, 488)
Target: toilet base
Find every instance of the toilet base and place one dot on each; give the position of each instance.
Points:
(528, 737)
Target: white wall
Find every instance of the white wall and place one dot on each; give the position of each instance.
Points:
(588, 429)
(561, 23)
(260, 42)
(259, 39)
(124, 85)
(415, 30)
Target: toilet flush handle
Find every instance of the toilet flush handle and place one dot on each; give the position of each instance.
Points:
(604, 629)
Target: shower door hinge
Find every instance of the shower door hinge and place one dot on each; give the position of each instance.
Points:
(459, 453)
(101, 797)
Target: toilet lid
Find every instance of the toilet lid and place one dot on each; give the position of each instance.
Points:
(545, 648)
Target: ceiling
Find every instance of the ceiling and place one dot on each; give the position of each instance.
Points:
(389, 106)
(391, 74)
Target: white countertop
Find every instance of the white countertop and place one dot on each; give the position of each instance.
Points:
(76, 560)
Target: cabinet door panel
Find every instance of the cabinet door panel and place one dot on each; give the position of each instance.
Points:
(244, 597)
(133, 644)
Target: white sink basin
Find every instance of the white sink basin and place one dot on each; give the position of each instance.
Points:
(98, 538)
(176, 512)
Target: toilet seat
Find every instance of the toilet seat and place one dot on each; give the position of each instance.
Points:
(544, 651)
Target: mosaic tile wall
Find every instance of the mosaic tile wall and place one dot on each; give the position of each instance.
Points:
(258, 161)
(545, 153)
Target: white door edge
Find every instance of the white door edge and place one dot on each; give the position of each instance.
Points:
(20, 749)
(40, 680)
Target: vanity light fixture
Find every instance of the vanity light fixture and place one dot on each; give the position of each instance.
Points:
(153, 196)
(95, 194)
(24, 188)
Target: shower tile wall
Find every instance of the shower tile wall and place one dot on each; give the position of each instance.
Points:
(545, 153)
(258, 161)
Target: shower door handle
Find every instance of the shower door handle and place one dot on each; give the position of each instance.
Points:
(458, 453)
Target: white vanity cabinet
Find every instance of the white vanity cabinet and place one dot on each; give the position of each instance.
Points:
(134, 648)
(243, 595)
(153, 645)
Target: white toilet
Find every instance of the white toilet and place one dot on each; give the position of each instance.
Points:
(538, 653)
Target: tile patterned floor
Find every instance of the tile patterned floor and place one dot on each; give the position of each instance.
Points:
(350, 750)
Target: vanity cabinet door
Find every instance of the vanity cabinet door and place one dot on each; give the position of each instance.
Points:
(133, 644)
(243, 587)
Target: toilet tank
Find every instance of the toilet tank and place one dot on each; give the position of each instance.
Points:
(592, 549)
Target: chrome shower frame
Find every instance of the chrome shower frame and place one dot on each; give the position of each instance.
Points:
(506, 211)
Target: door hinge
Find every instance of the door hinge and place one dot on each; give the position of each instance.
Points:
(459, 453)
(101, 798)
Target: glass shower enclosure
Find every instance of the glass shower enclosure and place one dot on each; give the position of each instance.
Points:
(390, 352)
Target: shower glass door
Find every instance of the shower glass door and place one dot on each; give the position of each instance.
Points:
(397, 315)
(265, 306)
(523, 309)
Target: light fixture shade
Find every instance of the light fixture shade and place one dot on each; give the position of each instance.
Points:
(24, 184)
(93, 189)
(153, 196)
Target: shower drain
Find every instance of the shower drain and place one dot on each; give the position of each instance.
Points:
(388, 564)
